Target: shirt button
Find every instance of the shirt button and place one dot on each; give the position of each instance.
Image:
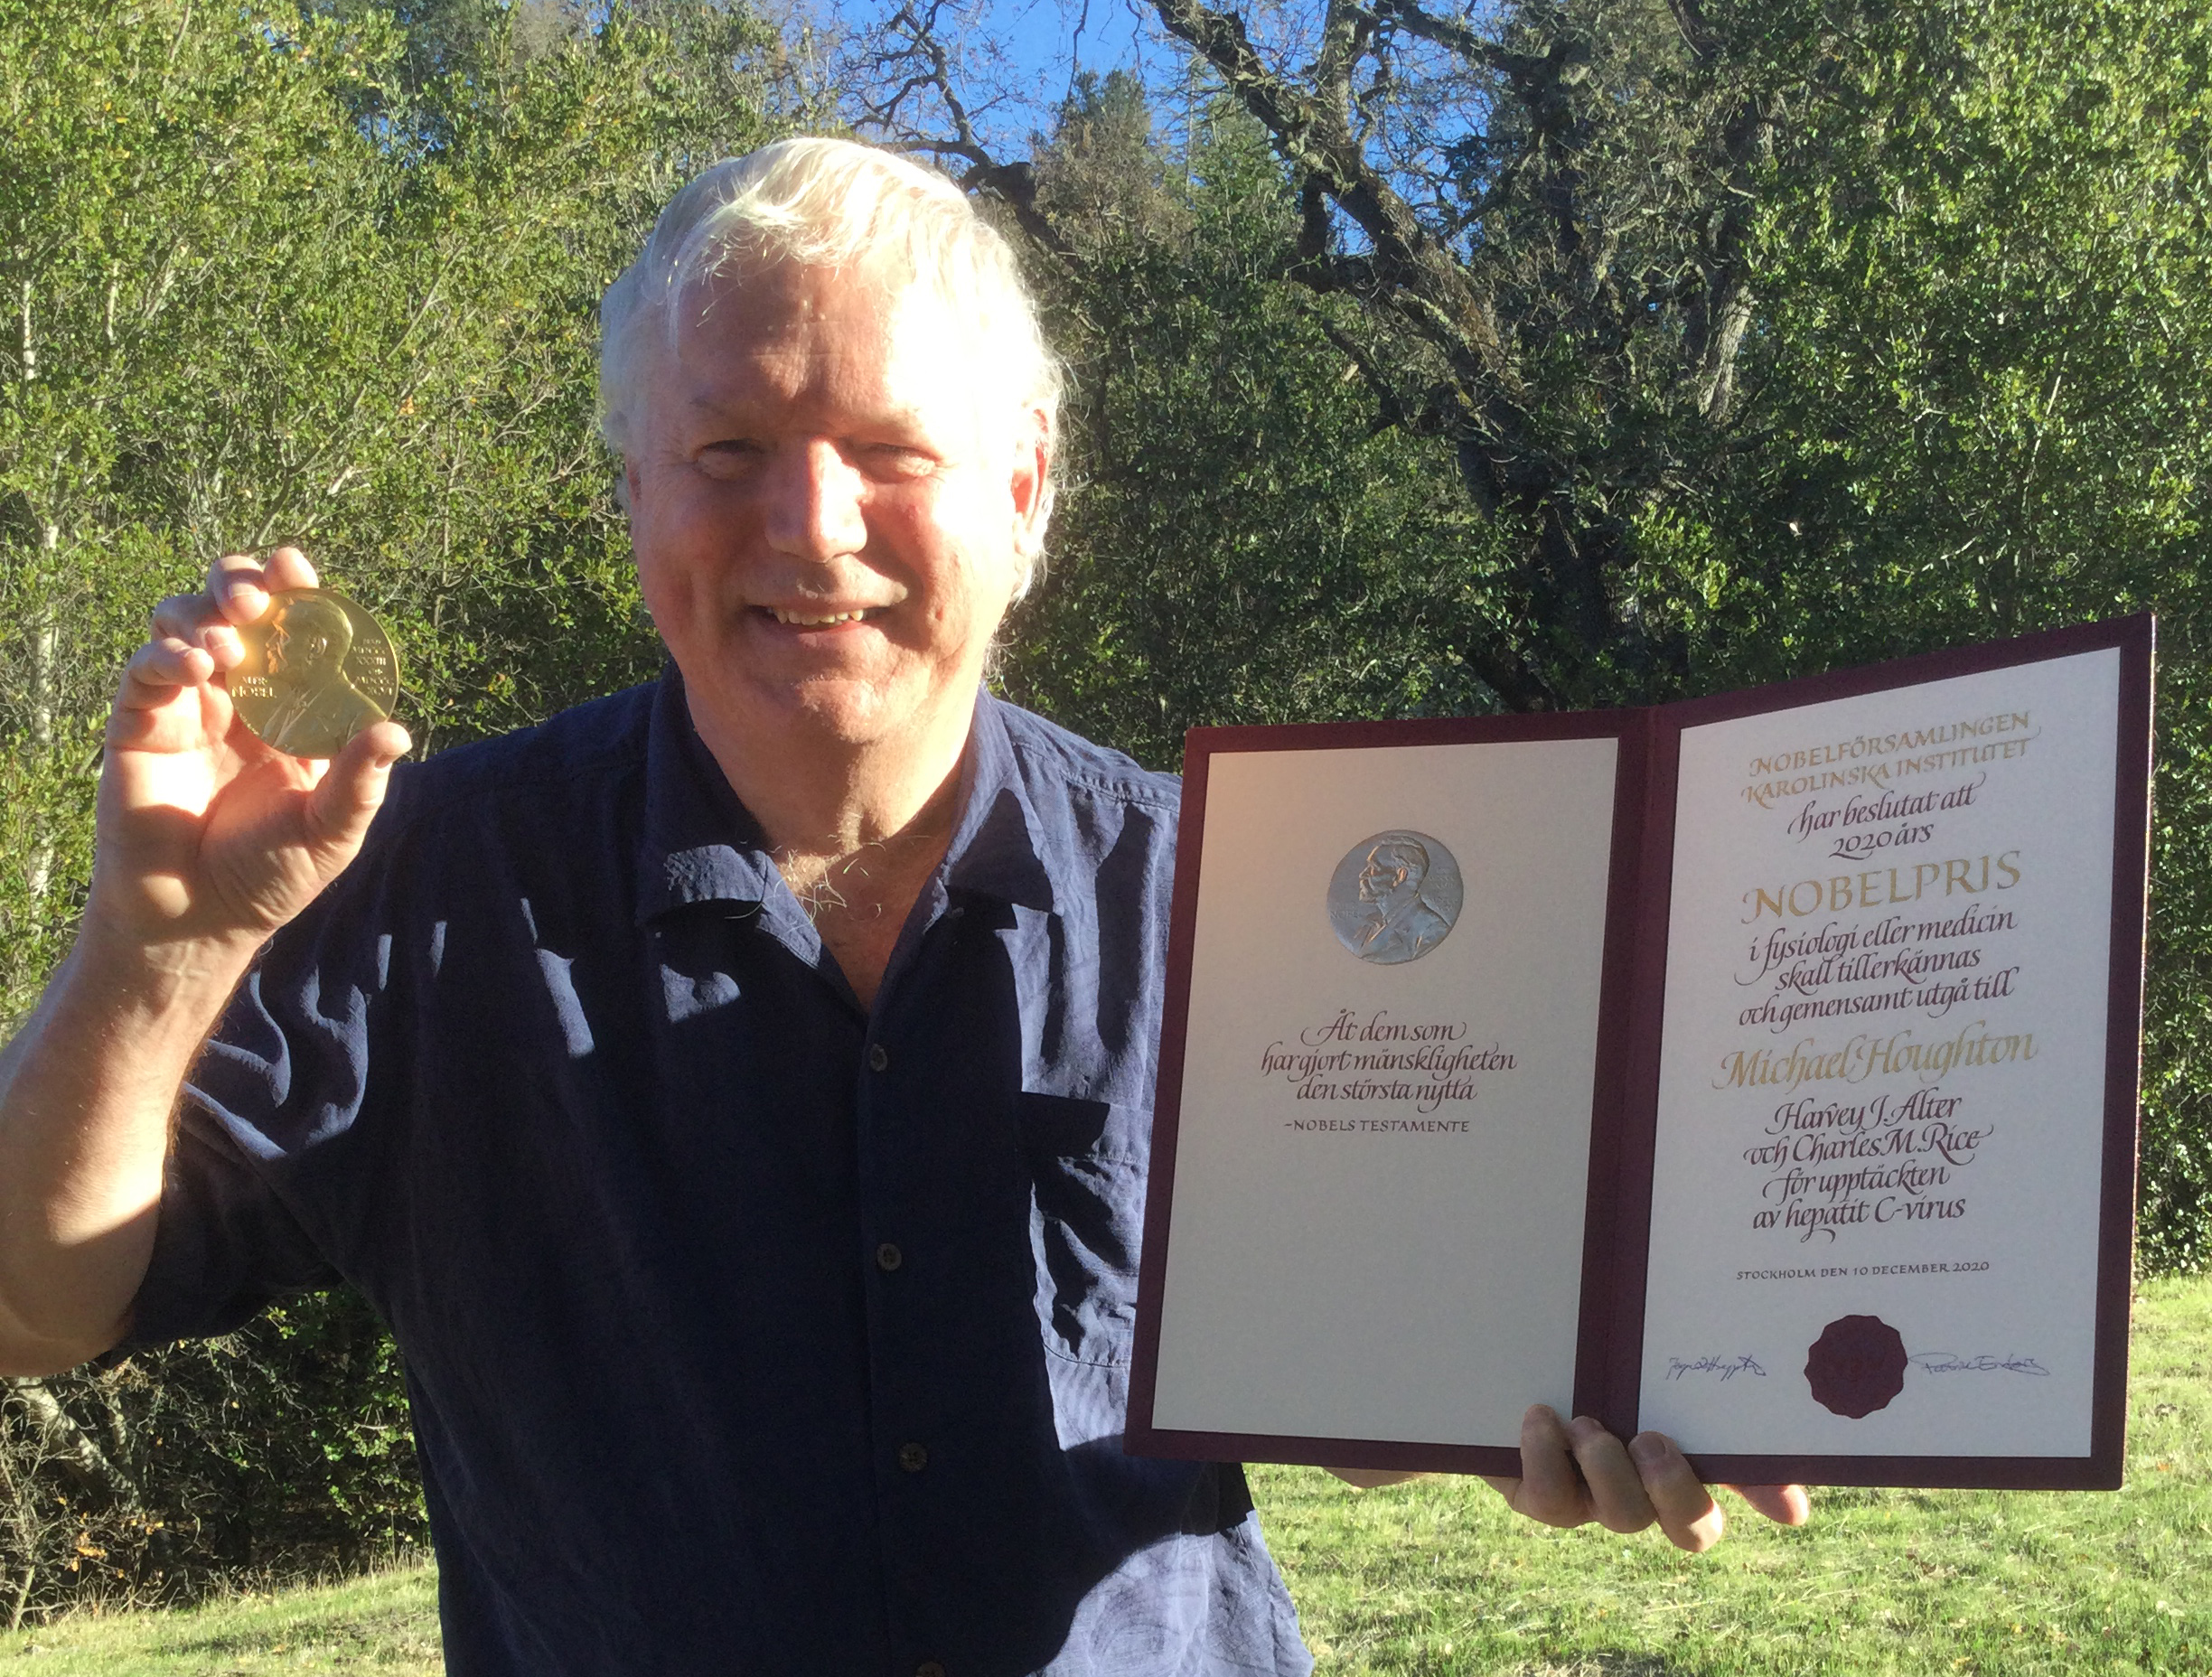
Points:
(877, 1057)
(912, 1457)
(888, 1257)
(930, 1667)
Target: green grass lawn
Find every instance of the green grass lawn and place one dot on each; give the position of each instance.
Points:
(1437, 1578)
(385, 1624)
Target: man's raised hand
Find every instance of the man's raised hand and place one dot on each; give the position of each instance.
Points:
(208, 841)
(207, 836)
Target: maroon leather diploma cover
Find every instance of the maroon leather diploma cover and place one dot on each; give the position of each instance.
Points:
(1761, 1069)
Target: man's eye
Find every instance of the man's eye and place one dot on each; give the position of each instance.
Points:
(728, 457)
(894, 460)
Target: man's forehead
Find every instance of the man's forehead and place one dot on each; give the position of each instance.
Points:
(894, 352)
(872, 299)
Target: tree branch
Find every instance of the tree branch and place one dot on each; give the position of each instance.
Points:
(1013, 184)
(1410, 266)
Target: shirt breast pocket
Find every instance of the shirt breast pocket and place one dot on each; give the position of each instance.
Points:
(1087, 1162)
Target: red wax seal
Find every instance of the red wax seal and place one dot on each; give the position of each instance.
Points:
(1856, 1366)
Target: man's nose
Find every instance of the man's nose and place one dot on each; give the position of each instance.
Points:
(814, 496)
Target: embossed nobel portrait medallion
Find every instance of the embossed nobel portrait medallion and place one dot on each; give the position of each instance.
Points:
(318, 670)
(1856, 1366)
(1395, 896)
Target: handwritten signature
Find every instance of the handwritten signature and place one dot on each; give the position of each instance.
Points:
(1951, 1362)
(1728, 1368)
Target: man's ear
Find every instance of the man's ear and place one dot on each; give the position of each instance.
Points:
(626, 485)
(1032, 484)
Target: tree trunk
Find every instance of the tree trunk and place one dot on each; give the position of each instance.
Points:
(45, 647)
(72, 1443)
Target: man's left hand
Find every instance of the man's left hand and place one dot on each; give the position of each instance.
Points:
(1574, 1472)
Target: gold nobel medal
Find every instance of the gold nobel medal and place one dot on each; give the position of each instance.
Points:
(318, 670)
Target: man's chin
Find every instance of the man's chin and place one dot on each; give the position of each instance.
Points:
(831, 714)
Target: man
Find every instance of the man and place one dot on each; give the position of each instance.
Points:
(735, 1093)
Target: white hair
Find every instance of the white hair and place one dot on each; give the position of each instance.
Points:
(825, 203)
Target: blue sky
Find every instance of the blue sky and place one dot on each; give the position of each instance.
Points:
(1017, 56)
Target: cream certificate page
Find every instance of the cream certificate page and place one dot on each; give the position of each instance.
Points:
(1880, 1121)
(1383, 1143)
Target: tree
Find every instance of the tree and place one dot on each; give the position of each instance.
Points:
(1985, 406)
(1546, 224)
(1237, 541)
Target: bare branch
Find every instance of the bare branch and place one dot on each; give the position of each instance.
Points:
(1013, 184)
(1448, 32)
(1414, 274)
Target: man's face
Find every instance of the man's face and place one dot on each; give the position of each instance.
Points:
(1381, 880)
(827, 502)
(1390, 876)
(295, 649)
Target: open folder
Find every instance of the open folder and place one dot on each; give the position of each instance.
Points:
(1760, 1069)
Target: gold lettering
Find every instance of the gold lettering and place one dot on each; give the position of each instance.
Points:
(1764, 905)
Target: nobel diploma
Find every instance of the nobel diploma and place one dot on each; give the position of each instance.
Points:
(1759, 1069)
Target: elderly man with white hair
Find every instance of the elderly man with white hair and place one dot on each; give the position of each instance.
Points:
(734, 1092)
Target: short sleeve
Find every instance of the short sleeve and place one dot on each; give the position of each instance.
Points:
(225, 1247)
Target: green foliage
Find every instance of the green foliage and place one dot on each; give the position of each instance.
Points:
(284, 1446)
(1239, 540)
(325, 273)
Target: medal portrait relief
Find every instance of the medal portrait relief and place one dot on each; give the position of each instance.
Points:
(309, 705)
(1395, 896)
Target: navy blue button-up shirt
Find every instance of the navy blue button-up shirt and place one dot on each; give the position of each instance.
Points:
(746, 1329)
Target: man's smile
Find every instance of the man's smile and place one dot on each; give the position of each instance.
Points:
(821, 620)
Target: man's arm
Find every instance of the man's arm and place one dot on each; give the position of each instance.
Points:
(208, 841)
(1575, 1471)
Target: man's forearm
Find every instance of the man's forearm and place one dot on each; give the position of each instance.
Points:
(86, 1089)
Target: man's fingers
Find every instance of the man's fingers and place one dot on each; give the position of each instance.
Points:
(288, 568)
(1617, 1492)
(241, 585)
(351, 792)
(1785, 1503)
(1549, 1488)
(1574, 1471)
(236, 584)
(1686, 1510)
(197, 621)
(158, 669)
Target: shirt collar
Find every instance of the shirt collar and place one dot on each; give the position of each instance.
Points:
(999, 848)
(702, 846)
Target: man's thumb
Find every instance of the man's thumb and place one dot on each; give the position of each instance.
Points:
(349, 795)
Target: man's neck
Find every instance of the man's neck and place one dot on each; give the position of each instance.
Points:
(855, 831)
